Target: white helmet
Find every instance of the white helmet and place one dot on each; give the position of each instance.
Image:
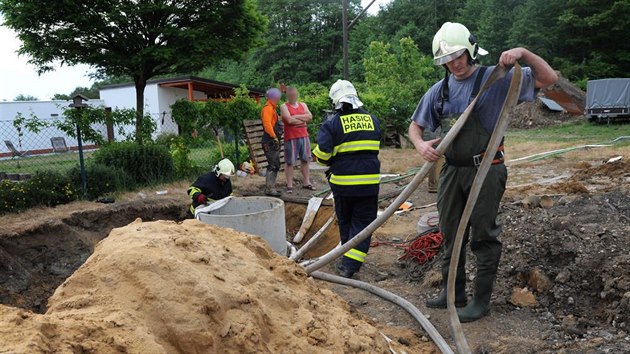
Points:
(224, 167)
(451, 41)
(340, 89)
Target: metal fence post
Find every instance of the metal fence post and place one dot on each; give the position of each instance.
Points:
(81, 162)
(236, 152)
(77, 103)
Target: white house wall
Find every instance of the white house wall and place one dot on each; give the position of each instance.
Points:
(157, 103)
(47, 111)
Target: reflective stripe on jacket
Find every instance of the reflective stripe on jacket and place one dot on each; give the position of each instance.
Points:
(349, 144)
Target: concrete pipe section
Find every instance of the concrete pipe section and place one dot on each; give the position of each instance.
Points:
(262, 216)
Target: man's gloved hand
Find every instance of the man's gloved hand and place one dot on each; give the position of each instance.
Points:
(202, 199)
(276, 144)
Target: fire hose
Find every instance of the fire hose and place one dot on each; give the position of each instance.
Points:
(511, 99)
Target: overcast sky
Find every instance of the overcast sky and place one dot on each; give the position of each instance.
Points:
(18, 77)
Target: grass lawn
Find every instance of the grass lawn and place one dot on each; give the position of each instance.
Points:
(57, 162)
(575, 133)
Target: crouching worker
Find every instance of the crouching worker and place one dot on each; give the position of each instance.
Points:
(212, 186)
(349, 144)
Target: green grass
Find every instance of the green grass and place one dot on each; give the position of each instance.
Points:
(57, 162)
(579, 132)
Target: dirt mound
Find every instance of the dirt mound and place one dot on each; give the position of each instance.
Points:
(601, 178)
(164, 287)
(617, 169)
(40, 248)
(575, 258)
(530, 115)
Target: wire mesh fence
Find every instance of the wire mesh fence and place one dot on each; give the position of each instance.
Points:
(25, 151)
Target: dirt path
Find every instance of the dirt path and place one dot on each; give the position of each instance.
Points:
(558, 241)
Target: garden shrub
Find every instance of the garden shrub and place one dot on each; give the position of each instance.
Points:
(101, 180)
(214, 155)
(13, 197)
(50, 188)
(180, 152)
(145, 164)
(166, 139)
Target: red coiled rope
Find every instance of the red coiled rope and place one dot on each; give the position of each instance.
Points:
(421, 249)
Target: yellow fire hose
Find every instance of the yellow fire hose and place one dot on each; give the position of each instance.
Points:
(511, 99)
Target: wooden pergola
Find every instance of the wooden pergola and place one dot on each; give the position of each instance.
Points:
(213, 90)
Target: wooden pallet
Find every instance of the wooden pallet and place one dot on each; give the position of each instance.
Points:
(253, 135)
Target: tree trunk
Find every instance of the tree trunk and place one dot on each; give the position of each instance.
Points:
(141, 83)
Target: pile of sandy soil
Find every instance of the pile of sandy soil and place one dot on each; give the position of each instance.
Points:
(534, 114)
(600, 178)
(164, 287)
(530, 115)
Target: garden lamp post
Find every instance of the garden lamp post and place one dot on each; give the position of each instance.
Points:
(77, 103)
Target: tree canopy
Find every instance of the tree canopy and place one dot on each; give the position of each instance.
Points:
(581, 38)
(138, 39)
(23, 97)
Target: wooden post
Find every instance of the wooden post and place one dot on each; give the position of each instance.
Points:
(190, 92)
(344, 23)
(109, 124)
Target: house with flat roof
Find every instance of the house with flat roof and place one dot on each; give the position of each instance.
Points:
(160, 94)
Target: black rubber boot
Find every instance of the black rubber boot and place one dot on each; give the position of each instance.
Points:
(439, 302)
(270, 184)
(479, 307)
(343, 271)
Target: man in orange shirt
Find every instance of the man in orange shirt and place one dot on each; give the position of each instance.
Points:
(271, 140)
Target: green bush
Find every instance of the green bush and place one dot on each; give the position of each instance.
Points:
(166, 139)
(50, 188)
(145, 164)
(44, 188)
(180, 152)
(101, 180)
(13, 197)
(229, 153)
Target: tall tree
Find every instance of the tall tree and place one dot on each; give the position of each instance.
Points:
(23, 97)
(401, 75)
(303, 44)
(593, 38)
(139, 39)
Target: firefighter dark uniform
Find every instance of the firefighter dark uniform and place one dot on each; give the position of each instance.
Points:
(349, 144)
(209, 186)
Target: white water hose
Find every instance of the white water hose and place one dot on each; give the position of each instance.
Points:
(511, 99)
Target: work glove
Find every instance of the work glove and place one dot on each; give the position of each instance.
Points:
(202, 199)
(276, 144)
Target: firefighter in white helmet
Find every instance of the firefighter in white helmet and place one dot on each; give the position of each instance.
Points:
(455, 48)
(213, 185)
(349, 143)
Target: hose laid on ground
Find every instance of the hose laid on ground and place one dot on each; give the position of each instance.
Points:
(458, 334)
(393, 298)
(313, 240)
(544, 155)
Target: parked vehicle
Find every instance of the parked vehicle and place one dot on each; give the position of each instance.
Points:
(608, 100)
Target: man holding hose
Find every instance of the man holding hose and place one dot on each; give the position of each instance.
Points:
(455, 48)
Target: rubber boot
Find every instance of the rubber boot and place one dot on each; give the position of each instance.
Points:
(439, 302)
(479, 307)
(270, 184)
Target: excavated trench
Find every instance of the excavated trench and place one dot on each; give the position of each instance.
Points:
(35, 261)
